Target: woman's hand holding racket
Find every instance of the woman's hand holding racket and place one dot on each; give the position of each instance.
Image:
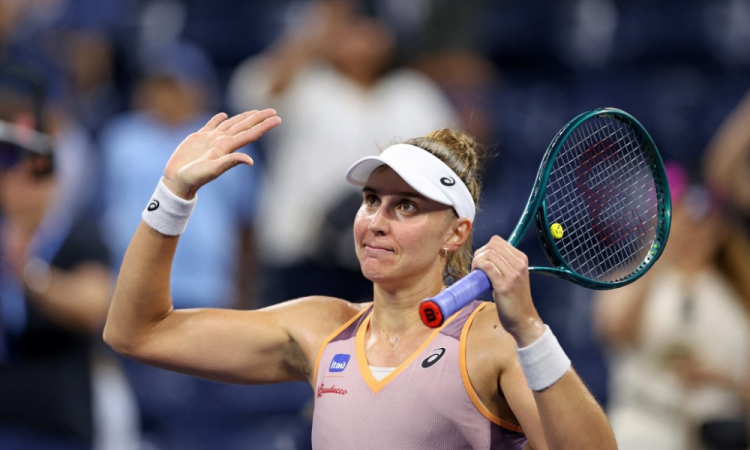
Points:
(206, 154)
(508, 271)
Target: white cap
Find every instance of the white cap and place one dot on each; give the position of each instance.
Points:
(421, 170)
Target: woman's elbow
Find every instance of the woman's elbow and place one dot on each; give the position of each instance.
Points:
(116, 340)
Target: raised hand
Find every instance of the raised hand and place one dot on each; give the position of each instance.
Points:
(206, 154)
(508, 271)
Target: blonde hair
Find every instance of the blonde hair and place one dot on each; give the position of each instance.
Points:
(459, 151)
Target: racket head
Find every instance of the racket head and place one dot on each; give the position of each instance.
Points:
(605, 212)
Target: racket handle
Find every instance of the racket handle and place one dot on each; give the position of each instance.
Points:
(435, 310)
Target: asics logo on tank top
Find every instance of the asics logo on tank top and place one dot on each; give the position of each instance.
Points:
(339, 362)
(433, 358)
(154, 205)
(447, 181)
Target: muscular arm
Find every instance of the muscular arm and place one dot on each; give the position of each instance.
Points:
(270, 345)
(274, 344)
(552, 419)
(569, 415)
(564, 416)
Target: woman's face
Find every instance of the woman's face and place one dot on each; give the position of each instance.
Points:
(24, 197)
(398, 233)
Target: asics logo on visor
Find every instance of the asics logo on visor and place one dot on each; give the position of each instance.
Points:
(447, 181)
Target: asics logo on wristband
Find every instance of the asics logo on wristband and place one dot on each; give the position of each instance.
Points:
(170, 214)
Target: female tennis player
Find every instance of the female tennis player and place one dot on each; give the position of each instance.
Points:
(493, 376)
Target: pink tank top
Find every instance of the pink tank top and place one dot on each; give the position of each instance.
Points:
(425, 403)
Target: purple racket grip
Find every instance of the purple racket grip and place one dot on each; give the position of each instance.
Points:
(435, 310)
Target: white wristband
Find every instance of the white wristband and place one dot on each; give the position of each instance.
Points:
(166, 212)
(543, 362)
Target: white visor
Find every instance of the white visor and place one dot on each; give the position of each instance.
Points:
(421, 170)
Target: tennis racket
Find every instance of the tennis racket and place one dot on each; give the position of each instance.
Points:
(602, 208)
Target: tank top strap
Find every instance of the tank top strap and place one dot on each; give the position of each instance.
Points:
(345, 331)
(456, 326)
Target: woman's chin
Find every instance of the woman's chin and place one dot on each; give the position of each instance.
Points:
(375, 271)
(373, 275)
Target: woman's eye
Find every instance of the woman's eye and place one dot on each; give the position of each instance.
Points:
(408, 206)
(370, 200)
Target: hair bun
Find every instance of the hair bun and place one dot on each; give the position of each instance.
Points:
(461, 144)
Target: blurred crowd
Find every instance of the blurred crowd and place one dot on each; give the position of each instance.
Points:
(113, 86)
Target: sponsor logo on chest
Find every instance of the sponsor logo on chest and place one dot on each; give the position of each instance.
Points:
(322, 389)
(339, 362)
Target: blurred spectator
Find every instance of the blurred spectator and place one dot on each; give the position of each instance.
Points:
(680, 337)
(330, 78)
(728, 159)
(88, 59)
(173, 96)
(55, 287)
(471, 82)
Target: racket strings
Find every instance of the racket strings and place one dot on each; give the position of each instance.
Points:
(609, 256)
(601, 190)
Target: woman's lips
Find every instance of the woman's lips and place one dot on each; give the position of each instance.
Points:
(377, 249)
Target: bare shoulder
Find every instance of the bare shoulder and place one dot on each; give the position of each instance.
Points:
(310, 320)
(315, 313)
(487, 334)
(317, 308)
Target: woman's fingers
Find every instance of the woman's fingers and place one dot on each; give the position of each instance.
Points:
(244, 132)
(250, 121)
(227, 124)
(208, 153)
(214, 122)
(506, 266)
(516, 258)
(258, 130)
(508, 271)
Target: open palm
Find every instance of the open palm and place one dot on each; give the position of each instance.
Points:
(206, 154)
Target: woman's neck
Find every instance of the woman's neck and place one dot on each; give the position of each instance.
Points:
(397, 309)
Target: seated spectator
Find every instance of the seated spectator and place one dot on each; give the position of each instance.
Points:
(679, 338)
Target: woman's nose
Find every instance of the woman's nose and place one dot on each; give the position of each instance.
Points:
(378, 222)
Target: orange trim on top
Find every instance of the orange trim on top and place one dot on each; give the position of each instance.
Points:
(330, 337)
(364, 368)
(467, 382)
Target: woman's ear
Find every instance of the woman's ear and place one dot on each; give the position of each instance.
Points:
(459, 234)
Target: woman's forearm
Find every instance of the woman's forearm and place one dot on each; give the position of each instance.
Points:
(572, 418)
(142, 297)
